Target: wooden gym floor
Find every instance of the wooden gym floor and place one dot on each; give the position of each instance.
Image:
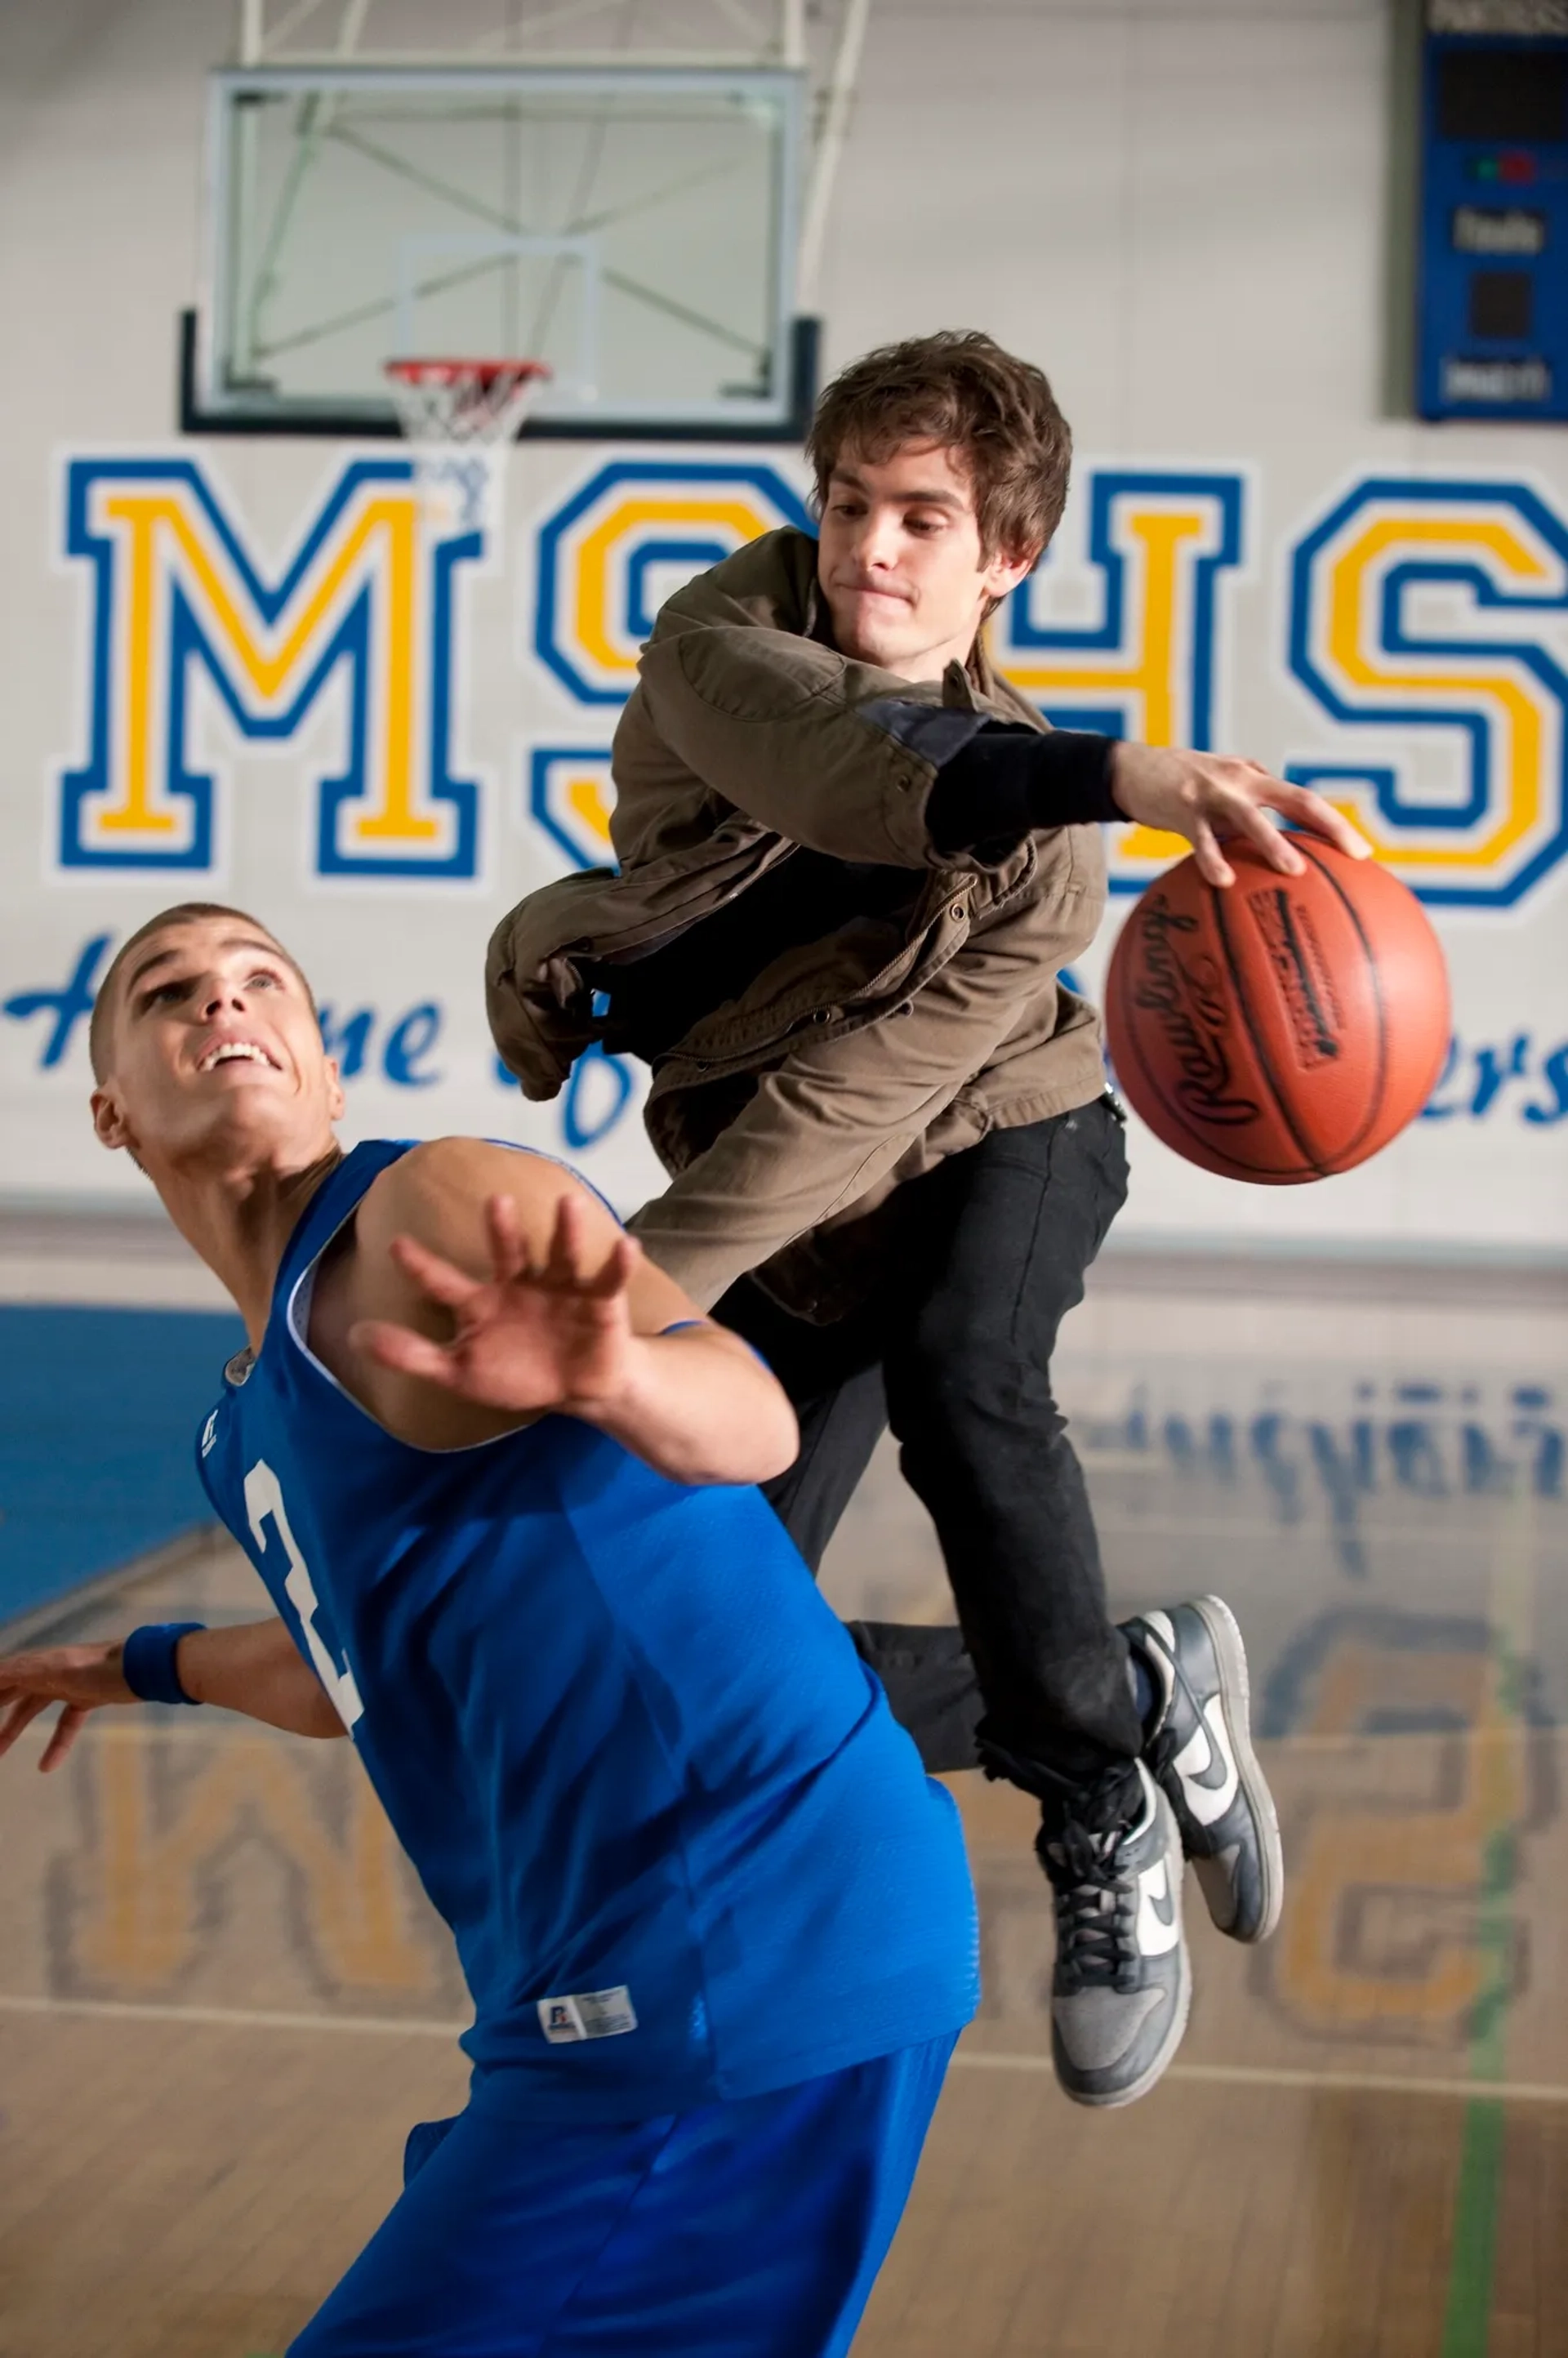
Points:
(222, 2001)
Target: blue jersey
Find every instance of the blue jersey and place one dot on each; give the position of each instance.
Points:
(683, 1849)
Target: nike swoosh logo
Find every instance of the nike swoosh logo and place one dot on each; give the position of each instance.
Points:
(1158, 1929)
(1206, 1751)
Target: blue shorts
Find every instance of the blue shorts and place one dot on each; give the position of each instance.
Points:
(749, 2230)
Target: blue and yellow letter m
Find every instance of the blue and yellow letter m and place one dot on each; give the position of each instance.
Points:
(362, 613)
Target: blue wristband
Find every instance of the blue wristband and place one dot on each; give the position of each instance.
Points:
(146, 1661)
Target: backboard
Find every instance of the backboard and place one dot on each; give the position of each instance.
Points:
(635, 229)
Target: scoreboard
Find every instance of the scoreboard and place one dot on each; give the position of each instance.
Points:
(1492, 338)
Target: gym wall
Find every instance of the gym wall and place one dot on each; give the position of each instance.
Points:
(1192, 217)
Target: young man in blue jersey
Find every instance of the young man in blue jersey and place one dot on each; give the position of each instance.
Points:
(495, 1470)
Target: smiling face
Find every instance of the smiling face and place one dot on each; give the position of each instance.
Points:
(901, 561)
(209, 1051)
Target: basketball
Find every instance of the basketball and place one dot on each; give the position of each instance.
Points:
(1282, 1028)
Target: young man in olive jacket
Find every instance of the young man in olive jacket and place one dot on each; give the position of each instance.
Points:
(852, 861)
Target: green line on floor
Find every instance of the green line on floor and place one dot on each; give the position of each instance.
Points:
(1473, 2254)
(1472, 2265)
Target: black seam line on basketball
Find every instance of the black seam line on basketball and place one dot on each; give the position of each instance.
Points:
(1177, 1113)
(1351, 911)
(1313, 1163)
(1178, 1116)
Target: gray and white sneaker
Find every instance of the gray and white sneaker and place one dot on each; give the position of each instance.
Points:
(1200, 1748)
(1122, 1985)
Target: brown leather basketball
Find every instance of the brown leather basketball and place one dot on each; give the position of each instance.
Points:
(1284, 1027)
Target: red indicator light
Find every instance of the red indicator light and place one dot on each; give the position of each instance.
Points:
(1517, 166)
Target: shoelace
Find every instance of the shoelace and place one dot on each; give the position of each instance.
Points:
(1095, 1909)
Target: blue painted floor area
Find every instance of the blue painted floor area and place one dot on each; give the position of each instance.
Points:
(99, 1411)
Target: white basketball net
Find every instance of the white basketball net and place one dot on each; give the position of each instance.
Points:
(462, 401)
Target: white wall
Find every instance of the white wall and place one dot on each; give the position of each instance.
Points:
(1180, 211)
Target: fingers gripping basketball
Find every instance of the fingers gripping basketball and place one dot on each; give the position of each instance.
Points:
(1285, 1028)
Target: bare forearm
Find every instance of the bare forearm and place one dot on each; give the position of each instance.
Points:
(258, 1671)
(698, 1408)
(572, 1321)
(254, 1670)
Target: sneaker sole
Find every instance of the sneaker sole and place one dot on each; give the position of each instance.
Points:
(1236, 1703)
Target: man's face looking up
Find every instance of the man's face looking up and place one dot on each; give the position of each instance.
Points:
(214, 1053)
(901, 563)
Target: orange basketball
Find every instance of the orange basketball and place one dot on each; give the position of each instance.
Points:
(1284, 1027)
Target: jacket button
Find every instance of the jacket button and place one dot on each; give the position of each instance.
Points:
(958, 909)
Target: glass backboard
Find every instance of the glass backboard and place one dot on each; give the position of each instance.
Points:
(634, 229)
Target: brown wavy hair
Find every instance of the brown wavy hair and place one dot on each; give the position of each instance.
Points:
(958, 389)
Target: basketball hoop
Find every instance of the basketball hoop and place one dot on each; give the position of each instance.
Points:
(462, 401)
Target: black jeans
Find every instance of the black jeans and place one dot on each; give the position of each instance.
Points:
(954, 1352)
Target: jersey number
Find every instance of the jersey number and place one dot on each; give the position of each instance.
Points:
(264, 1496)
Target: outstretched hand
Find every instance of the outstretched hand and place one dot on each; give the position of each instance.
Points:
(1206, 796)
(83, 1678)
(532, 1338)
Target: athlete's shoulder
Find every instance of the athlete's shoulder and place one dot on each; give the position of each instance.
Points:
(439, 1189)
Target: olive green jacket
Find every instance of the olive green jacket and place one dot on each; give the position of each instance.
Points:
(787, 1116)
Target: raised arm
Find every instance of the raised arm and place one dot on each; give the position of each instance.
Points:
(489, 1288)
(255, 1669)
(861, 765)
